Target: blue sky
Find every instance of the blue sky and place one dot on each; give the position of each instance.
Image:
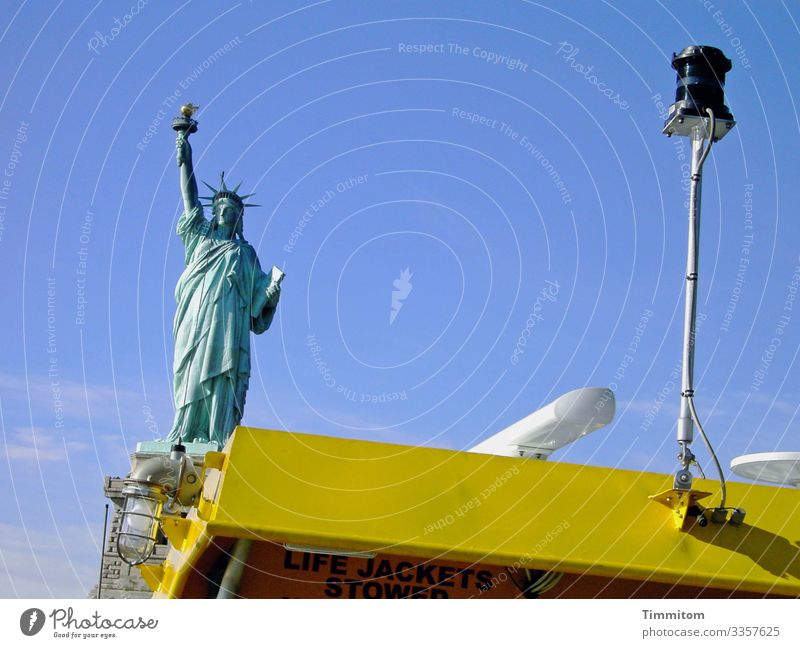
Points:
(508, 155)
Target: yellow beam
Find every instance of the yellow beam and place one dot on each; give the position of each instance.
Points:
(340, 493)
(180, 563)
(176, 529)
(152, 575)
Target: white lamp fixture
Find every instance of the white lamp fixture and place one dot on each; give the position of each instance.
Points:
(773, 467)
(161, 483)
(555, 425)
(139, 524)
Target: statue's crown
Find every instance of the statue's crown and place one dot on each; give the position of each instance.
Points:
(224, 192)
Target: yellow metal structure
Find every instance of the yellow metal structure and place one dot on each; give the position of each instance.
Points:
(680, 502)
(440, 504)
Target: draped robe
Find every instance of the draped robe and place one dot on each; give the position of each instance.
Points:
(222, 295)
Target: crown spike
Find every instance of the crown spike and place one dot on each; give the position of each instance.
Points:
(224, 192)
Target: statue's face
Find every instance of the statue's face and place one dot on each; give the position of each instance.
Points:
(227, 212)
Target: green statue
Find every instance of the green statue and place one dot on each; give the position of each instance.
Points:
(222, 295)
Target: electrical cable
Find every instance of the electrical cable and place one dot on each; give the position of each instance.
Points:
(710, 449)
(699, 467)
(710, 133)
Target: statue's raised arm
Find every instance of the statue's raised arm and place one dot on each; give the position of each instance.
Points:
(184, 126)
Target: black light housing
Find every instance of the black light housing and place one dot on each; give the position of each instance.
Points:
(701, 78)
(700, 85)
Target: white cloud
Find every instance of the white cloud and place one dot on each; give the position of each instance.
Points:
(40, 563)
(80, 401)
(34, 444)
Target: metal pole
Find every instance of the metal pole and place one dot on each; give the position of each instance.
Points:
(102, 554)
(683, 479)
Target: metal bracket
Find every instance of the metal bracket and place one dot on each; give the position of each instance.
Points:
(214, 460)
(176, 529)
(679, 123)
(152, 575)
(680, 501)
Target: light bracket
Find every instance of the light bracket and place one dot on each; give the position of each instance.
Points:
(679, 123)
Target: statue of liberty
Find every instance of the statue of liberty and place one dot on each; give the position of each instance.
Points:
(221, 296)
